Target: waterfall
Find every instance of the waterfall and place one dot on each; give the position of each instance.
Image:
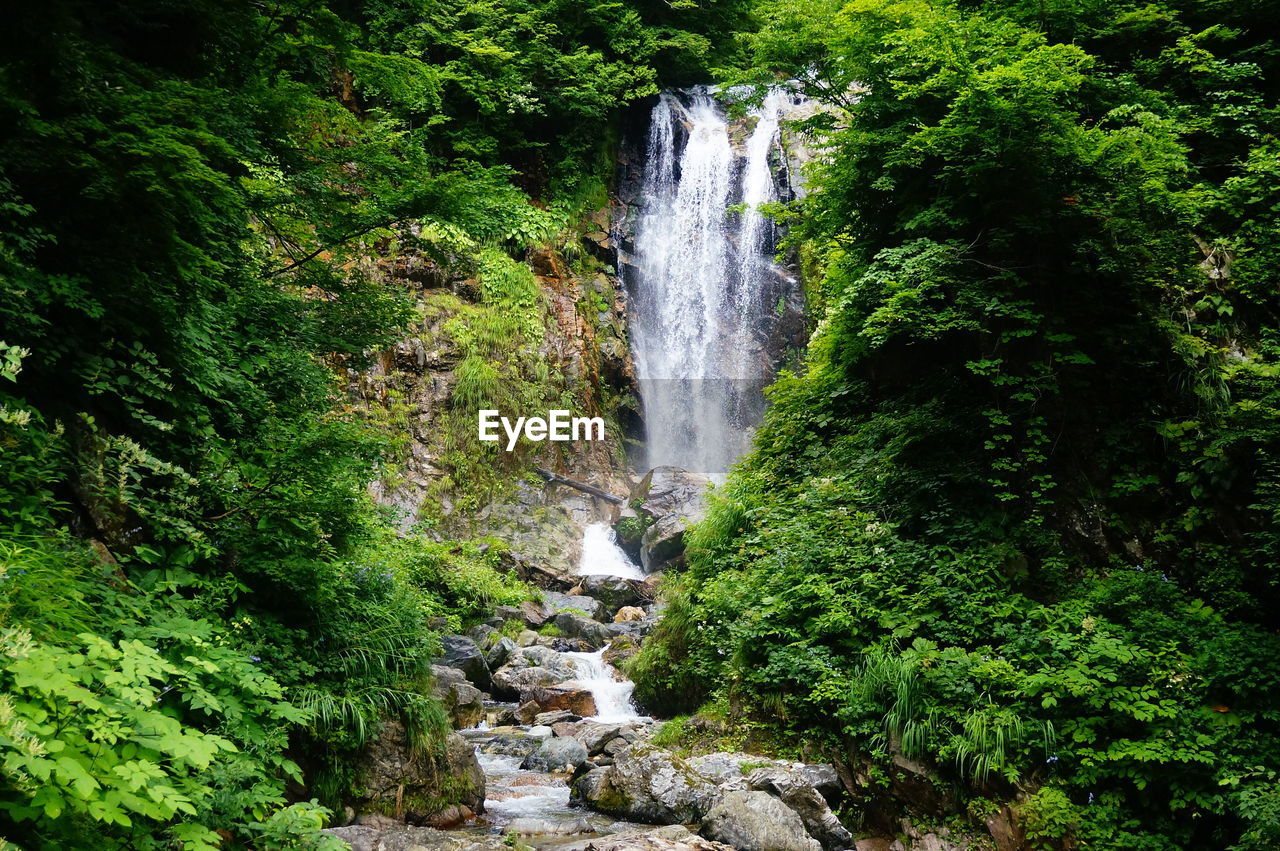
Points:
(601, 555)
(703, 280)
(613, 697)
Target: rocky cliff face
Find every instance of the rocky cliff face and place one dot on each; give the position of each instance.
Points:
(576, 358)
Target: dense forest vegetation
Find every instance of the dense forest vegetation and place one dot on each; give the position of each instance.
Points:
(196, 593)
(1015, 518)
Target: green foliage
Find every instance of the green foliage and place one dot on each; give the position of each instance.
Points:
(191, 196)
(1015, 517)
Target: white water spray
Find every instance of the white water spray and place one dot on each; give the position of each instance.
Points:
(612, 696)
(601, 555)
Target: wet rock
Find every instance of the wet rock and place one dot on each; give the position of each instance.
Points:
(646, 784)
(462, 653)
(546, 827)
(414, 784)
(671, 499)
(550, 719)
(528, 612)
(556, 755)
(615, 592)
(674, 837)
(621, 649)
(512, 743)
(406, 838)
(579, 701)
(463, 701)
(794, 785)
(531, 667)
(589, 606)
(595, 735)
(594, 633)
(756, 821)
(627, 614)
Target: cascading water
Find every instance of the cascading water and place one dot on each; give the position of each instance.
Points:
(612, 696)
(703, 280)
(601, 555)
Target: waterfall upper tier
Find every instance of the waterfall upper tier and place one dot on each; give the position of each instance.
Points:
(711, 311)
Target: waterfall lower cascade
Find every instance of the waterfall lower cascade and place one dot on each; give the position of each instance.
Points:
(704, 286)
(601, 555)
(613, 696)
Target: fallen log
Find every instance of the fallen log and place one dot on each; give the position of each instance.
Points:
(558, 479)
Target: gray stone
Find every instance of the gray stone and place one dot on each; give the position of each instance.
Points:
(512, 743)
(756, 821)
(556, 755)
(406, 838)
(554, 717)
(674, 837)
(594, 735)
(646, 784)
(594, 633)
(557, 602)
(792, 784)
(614, 591)
(463, 701)
(499, 652)
(529, 667)
(398, 780)
(462, 653)
(673, 499)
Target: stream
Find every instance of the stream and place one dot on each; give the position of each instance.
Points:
(533, 804)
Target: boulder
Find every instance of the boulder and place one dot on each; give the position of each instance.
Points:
(556, 755)
(793, 785)
(462, 653)
(646, 784)
(416, 784)
(529, 613)
(614, 591)
(406, 838)
(627, 614)
(591, 631)
(483, 635)
(756, 821)
(529, 667)
(497, 654)
(579, 701)
(671, 499)
(512, 743)
(725, 768)
(594, 735)
(517, 682)
(675, 837)
(565, 728)
(463, 701)
(550, 719)
(555, 602)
